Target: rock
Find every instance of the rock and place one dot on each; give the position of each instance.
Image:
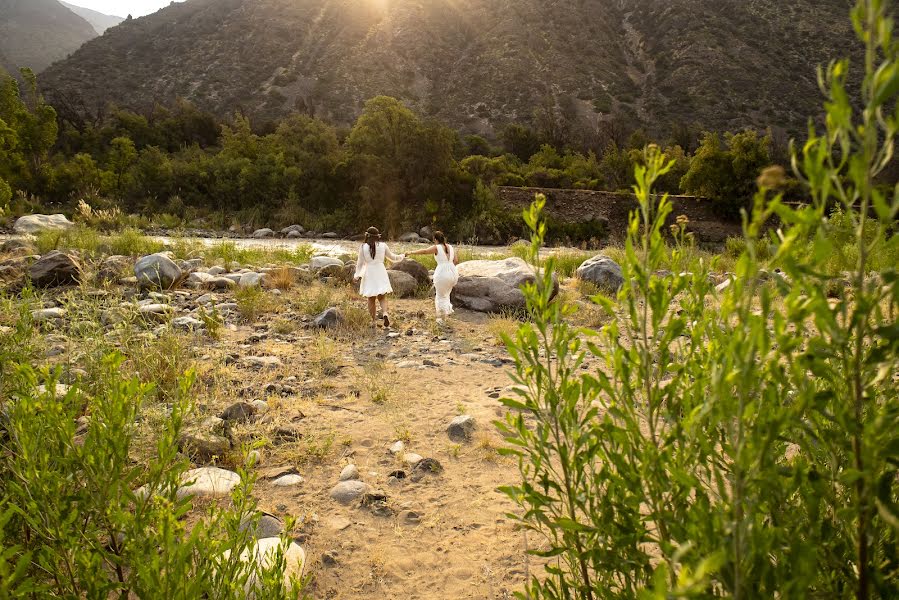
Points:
(288, 481)
(17, 247)
(461, 428)
(411, 459)
(292, 235)
(156, 311)
(38, 223)
(288, 433)
(114, 268)
(329, 559)
(403, 284)
(330, 236)
(347, 492)
(157, 271)
(264, 554)
(297, 229)
(603, 272)
(494, 285)
(203, 446)
(396, 448)
(239, 412)
(267, 526)
(320, 262)
(426, 232)
(415, 269)
(187, 323)
(349, 473)
(208, 481)
(47, 314)
(331, 271)
(427, 466)
(220, 283)
(252, 279)
(328, 319)
(263, 233)
(261, 362)
(58, 391)
(55, 268)
(410, 237)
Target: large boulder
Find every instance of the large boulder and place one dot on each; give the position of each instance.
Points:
(157, 271)
(415, 269)
(265, 232)
(403, 284)
(494, 285)
(55, 268)
(38, 223)
(603, 272)
(320, 262)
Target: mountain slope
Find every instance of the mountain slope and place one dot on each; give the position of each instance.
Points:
(474, 64)
(36, 33)
(98, 20)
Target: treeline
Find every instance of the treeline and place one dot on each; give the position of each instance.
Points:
(390, 168)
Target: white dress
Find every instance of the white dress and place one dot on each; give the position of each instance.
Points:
(375, 281)
(445, 278)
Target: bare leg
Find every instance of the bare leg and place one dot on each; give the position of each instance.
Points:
(372, 307)
(384, 310)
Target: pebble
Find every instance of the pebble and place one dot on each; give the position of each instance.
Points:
(47, 314)
(208, 481)
(347, 492)
(412, 459)
(288, 480)
(461, 428)
(267, 526)
(397, 447)
(349, 472)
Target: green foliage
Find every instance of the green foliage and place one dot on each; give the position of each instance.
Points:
(737, 443)
(72, 524)
(726, 172)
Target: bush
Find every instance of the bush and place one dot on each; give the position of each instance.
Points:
(71, 524)
(737, 443)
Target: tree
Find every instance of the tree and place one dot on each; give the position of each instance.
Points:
(521, 141)
(122, 156)
(726, 172)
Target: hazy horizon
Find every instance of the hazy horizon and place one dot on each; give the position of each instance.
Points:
(122, 8)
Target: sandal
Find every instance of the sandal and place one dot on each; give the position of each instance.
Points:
(386, 321)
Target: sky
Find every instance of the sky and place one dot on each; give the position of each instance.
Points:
(122, 8)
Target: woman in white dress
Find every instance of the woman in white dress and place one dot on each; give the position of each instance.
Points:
(371, 270)
(445, 275)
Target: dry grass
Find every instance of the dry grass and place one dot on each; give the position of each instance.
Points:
(502, 326)
(282, 278)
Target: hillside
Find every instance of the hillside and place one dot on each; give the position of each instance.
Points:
(474, 64)
(36, 33)
(98, 20)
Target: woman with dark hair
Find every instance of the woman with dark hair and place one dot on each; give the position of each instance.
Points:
(371, 270)
(445, 275)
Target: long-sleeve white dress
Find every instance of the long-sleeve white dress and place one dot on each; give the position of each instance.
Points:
(445, 278)
(375, 281)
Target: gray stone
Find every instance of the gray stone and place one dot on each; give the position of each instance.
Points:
(349, 473)
(426, 232)
(157, 271)
(410, 237)
(187, 323)
(203, 446)
(347, 492)
(292, 235)
(216, 271)
(603, 272)
(47, 314)
(264, 553)
(114, 267)
(55, 268)
(461, 428)
(412, 459)
(209, 482)
(38, 223)
(397, 447)
(415, 269)
(239, 412)
(288, 481)
(298, 229)
(252, 279)
(320, 262)
(403, 284)
(493, 286)
(263, 233)
(261, 362)
(330, 235)
(328, 319)
(267, 526)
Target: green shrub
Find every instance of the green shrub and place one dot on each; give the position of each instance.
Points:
(737, 443)
(71, 524)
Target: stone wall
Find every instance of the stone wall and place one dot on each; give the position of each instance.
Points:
(612, 209)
